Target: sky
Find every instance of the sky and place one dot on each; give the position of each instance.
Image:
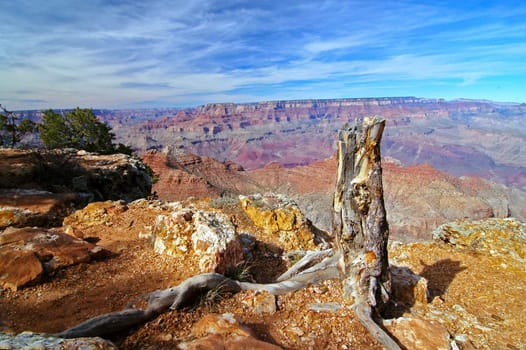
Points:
(170, 53)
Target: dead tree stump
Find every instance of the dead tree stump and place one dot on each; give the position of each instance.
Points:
(360, 226)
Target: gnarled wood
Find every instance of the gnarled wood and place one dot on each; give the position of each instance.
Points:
(360, 225)
(308, 259)
(158, 302)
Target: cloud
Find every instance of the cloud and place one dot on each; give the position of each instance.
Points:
(114, 53)
(138, 85)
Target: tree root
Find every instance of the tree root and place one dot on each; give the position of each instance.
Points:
(158, 302)
(363, 313)
(185, 293)
(308, 258)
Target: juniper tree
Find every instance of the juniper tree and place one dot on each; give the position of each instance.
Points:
(78, 129)
(11, 129)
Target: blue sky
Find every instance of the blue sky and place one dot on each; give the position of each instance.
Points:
(118, 54)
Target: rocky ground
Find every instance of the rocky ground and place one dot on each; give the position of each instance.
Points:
(474, 273)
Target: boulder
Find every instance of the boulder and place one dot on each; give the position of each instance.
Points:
(280, 218)
(224, 332)
(29, 340)
(208, 236)
(96, 213)
(417, 333)
(27, 254)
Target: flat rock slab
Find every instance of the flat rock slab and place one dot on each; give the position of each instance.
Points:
(30, 207)
(29, 340)
(27, 254)
(224, 331)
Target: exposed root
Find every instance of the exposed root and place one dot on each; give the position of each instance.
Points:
(158, 302)
(309, 258)
(326, 269)
(364, 314)
(106, 324)
(186, 293)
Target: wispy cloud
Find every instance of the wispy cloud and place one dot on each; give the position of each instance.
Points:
(120, 53)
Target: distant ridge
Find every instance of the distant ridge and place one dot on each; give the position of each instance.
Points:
(462, 137)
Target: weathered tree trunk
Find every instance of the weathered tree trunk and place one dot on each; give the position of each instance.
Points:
(360, 225)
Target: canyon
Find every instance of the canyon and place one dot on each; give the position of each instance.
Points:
(418, 198)
(444, 160)
(460, 137)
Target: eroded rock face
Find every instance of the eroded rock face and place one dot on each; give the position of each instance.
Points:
(181, 175)
(280, 217)
(100, 177)
(29, 253)
(208, 235)
(445, 134)
(19, 207)
(40, 188)
(224, 332)
(29, 340)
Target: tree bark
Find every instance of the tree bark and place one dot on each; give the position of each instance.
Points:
(360, 226)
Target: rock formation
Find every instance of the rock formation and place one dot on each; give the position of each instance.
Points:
(445, 134)
(208, 235)
(181, 175)
(281, 219)
(498, 237)
(99, 177)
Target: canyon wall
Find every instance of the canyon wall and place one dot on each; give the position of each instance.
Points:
(464, 137)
